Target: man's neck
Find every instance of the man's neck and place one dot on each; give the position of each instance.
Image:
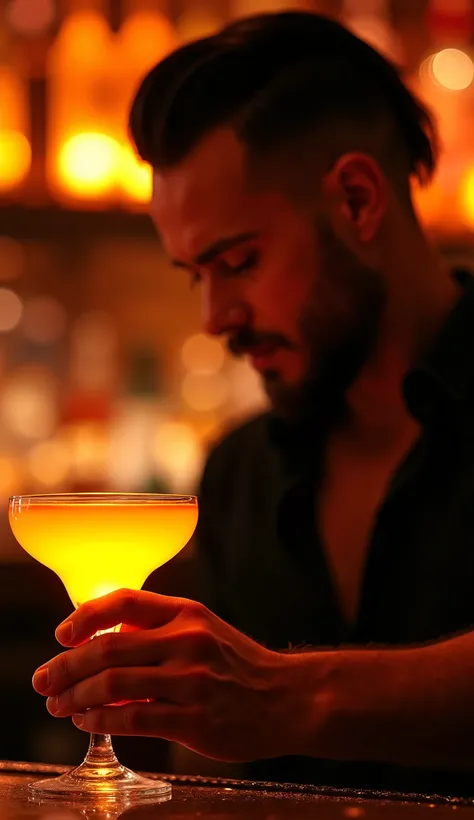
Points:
(377, 411)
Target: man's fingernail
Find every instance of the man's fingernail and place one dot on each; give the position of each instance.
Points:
(52, 705)
(41, 679)
(78, 720)
(65, 631)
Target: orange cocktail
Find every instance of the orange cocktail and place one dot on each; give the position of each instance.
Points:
(110, 543)
(98, 543)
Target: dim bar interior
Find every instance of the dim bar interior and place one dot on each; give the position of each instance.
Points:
(106, 382)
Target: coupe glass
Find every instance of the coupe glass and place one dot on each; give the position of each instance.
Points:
(98, 543)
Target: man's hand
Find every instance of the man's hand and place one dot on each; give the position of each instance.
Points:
(180, 673)
(185, 675)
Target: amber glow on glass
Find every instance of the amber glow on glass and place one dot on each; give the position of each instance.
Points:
(101, 546)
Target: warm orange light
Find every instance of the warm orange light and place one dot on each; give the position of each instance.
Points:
(202, 355)
(467, 196)
(15, 151)
(48, 463)
(430, 202)
(241, 8)
(29, 18)
(11, 476)
(135, 177)
(197, 22)
(88, 164)
(178, 454)
(15, 159)
(100, 546)
(204, 393)
(452, 69)
(82, 154)
(146, 37)
(83, 40)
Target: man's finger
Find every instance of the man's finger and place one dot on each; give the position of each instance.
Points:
(167, 721)
(114, 686)
(146, 610)
(110, 650)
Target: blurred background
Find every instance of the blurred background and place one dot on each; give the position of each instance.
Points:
(105, 380)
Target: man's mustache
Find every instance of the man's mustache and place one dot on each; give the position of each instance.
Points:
(246, 340)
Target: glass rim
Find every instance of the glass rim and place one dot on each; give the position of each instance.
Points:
(103, 497)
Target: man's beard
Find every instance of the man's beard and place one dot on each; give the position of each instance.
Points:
(339, 329)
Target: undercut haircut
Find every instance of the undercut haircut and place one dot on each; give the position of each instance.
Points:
(294, 83)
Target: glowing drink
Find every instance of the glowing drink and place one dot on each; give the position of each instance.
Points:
(105, 545)
(98, 543)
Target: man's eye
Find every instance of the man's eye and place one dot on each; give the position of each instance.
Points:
(247, 263)
(226, 269)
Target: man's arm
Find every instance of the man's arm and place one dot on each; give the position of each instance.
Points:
(410, 706)
(189, 677)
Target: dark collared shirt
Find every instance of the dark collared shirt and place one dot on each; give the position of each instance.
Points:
(263, 565)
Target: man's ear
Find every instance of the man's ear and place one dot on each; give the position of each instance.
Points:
(355, 193)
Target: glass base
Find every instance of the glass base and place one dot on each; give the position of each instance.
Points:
(90, 782)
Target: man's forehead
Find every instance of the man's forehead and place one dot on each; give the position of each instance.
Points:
(215, 165)
(204, 197)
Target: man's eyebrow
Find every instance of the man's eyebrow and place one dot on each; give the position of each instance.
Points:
(216, 249)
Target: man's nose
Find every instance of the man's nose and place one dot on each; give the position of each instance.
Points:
(222, 315)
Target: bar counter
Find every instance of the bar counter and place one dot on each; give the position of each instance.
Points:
(219, 799)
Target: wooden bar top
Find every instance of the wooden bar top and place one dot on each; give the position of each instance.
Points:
(197, 797)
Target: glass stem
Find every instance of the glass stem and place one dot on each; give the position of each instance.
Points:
(100, 751)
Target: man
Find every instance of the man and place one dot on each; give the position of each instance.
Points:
(283, 151)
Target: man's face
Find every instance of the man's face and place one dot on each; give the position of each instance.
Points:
(275, 281)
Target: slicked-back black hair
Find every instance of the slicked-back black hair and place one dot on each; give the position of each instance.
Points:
(273, 76)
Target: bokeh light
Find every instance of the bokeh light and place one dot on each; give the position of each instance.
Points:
(88, 450)
(429, 202)
(204, 392)
(11, 477)
(452, 68)
(11, 309)
(131, 459)
(28, 404)
(30, 17)
(88, 164)
(178, 455)
(148, 35)
(135, 176)
(246, 391)
(48, 463)
(202, 355)
(15, 159)
(93, 347)
(43, 320)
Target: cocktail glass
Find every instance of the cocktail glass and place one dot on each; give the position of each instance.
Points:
(98, 543)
